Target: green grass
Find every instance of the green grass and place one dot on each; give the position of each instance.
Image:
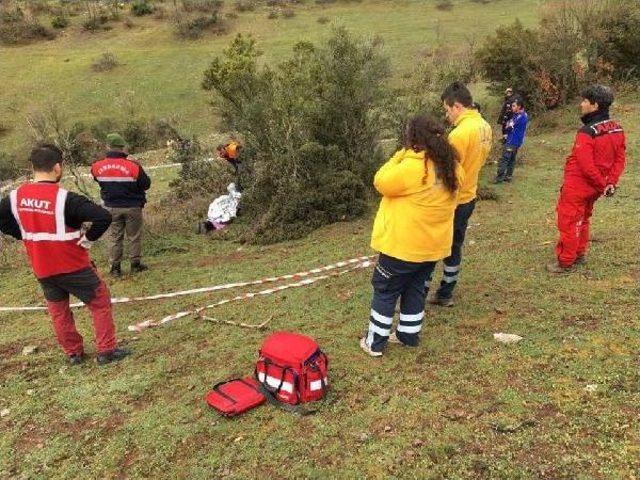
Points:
(165, 73)
(438, 411)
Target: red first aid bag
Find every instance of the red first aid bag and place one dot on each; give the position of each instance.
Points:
(235, 396)
(292, 368)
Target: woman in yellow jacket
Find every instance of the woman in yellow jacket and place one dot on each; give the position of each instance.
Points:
(412, 230)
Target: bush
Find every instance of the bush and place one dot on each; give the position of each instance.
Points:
(8, 167)
(16, 27)
(323, 20)
(60, 21)
(444, 5)
(202, 6)
(245, 5)
(273, 14)
(575, 44)
(192, 28)
(311, 127)
(95, 24)
(288, 12)
(141, 7)
(421, 88)
(106, 62)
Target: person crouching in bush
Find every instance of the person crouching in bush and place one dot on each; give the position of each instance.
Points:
(413, 229)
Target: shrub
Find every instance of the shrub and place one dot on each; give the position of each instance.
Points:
(141, 7)
(17, 27)
(106, 62)
(245, 5)
(8, 167)
(422, 87)
(574, 44)
(311, 127)
(197, 177)
(273, 14)
(323, 20)
(95, 24)
(288, 12)
(444, 5)
(192, 28)
(202, 6)
(4, 129)
(60, 21)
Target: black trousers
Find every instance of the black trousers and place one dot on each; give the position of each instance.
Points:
(395, 279)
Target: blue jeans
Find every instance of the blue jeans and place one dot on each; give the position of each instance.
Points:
(507, 162)
(452, 262)
(393, 279)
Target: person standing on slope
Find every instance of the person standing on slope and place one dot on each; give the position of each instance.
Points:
(412, 230)
(471, 137)
(592, 170)
(123, 185)
(516, 130)
(48, 219)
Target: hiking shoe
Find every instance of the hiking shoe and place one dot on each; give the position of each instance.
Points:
(115, 271)
(558, 269)
(497, 180)
(441, 302)
(114, 355)
(76, 358)
(367, 349)
(137, 267)
(508, 179)
(581, 260)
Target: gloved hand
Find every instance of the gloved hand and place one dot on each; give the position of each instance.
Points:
(85, 243)
(609, 190)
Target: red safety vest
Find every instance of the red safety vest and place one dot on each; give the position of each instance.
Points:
(50, 243)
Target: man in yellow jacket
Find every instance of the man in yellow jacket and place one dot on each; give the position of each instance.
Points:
(471, 137)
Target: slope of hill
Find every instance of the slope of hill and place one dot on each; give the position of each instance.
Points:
(163, 74)
(563, 403)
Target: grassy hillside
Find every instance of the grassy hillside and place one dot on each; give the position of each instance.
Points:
(562, 404)
(165, 73)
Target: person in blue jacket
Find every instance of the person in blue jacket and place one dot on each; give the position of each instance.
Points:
(516, 129)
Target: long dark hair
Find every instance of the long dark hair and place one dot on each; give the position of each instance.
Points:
(428, 135)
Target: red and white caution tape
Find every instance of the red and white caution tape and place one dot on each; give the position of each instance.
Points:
(364, 262)
(214, 288)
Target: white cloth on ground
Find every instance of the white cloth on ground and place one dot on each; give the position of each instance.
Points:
(225, 208)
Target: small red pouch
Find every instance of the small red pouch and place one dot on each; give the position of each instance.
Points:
(234, 397)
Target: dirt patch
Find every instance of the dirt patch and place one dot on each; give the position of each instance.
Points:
(583, 321)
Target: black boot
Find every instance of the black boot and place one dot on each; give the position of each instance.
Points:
(76, 358)
(137, 267)
(114, 355)
(116, 271)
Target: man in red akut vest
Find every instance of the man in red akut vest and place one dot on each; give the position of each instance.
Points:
(593, 169)
(48, 219)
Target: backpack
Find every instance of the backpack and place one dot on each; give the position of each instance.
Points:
(292, 369)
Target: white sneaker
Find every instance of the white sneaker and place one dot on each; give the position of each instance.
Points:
(365, 347)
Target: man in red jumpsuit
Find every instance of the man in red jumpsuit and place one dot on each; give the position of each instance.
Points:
(592, 170)
(48, 219)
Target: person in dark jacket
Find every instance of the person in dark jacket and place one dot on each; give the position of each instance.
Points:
(123, 183)
(516, 131)
(506, 112)
(592, 170)
(48, 219)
